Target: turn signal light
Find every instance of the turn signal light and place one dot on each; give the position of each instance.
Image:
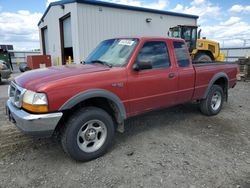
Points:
(35, 108)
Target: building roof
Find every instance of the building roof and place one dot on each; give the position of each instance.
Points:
(119, 6)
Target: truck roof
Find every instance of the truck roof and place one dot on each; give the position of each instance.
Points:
(150, 38)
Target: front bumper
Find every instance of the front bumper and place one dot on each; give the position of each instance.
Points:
(5, 74)
(41, 125)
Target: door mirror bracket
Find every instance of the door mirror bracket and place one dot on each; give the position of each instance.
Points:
(142, 65)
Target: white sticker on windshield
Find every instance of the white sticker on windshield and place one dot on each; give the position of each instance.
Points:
(126, 42)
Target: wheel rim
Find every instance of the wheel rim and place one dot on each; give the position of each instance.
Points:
(216, 101)
(91, 136)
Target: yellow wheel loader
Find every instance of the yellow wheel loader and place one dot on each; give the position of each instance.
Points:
(200, 49)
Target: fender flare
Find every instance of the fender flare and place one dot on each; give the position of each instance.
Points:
(92, 93)
(214, 79)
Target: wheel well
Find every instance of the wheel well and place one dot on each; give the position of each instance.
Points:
(223, 83)
(207, 52)
(107, 105)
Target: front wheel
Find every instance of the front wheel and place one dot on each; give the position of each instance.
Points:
(88, 134)
(213, 103)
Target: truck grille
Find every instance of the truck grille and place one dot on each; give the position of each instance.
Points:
(15, 94)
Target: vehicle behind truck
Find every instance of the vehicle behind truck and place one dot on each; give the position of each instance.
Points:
(200, 49)
(123, 77)
(5, 71)
(5, 65)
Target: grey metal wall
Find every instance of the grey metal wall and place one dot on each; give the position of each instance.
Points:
(99, 23)
(51, 20)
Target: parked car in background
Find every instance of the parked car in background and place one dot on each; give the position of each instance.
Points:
(5, 71)
(122, 78)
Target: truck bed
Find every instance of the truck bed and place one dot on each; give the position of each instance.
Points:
(206, 72)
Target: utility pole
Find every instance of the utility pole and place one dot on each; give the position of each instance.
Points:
(244, 42)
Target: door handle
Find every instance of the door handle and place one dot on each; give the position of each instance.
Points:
(171, 75)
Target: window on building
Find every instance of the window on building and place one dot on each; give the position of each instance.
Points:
(155, 52)
(181, 54)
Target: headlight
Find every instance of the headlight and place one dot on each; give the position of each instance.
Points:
(3, 66)
(200, 44)
(35, 102)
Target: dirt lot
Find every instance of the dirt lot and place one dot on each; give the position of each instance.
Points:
(176, 147)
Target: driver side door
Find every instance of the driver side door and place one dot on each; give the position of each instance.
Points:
(154, 88)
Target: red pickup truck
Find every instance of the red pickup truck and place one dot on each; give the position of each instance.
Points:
(121, 78)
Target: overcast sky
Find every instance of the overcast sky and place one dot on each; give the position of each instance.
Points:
(225, 21)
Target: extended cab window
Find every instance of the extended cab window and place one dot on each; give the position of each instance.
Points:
(156, 53)
(181, 54)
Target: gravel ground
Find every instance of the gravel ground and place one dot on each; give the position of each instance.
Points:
(175, 147)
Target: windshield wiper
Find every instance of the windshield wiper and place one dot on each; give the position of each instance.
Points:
(102, 62)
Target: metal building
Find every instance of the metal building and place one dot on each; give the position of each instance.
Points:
(74, 27)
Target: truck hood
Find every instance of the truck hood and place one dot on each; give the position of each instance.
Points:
(37, 78)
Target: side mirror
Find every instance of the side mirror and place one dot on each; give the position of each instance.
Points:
(142, 65)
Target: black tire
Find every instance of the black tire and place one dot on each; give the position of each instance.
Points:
(70, 133)
(206, 104)
(23, 67)
(203, 58)
(27, 69)
(21, 70)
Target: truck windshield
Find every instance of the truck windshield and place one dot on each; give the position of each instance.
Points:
(113, 52)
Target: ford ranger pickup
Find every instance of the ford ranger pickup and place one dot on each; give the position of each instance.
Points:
(123, 77)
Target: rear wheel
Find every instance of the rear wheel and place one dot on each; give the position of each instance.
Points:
(88, 134)
(203, 58)
(213, 103)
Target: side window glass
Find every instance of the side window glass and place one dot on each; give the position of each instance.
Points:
(186, 34)
(156, 53)
(181, 54)
(194, 37)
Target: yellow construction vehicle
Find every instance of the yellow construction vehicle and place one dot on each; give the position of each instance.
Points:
(200, 49)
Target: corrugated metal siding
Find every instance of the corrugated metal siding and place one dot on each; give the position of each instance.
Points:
(95, 25)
